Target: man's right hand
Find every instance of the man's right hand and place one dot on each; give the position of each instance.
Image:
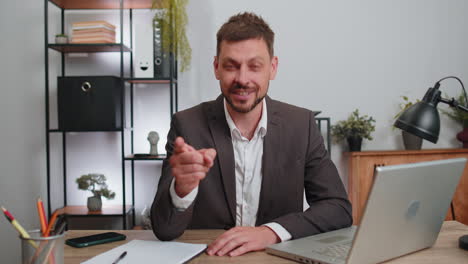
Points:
(189, 166)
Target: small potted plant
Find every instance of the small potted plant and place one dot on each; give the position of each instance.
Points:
(461, 117)
(410, 141)
(354, 129)
(91, 182)
(61, 39)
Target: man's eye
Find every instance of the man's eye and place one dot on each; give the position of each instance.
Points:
(255, 67)
(229, 67)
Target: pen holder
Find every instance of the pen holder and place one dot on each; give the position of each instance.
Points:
(39, 250)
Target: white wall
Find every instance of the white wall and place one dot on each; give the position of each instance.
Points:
(22, 137)
(334, 56)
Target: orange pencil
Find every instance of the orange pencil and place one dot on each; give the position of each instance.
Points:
(42, 217)
(51, 222)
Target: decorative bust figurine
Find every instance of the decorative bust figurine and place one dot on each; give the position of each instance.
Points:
(153, 138)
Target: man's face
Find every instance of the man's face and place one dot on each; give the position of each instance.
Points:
(244, 70)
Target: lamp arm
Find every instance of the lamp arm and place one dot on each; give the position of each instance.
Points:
(453, 103)
(437, 84)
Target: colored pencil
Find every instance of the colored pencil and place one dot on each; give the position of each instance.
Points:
(53, 218)
(42, 216)
(18, 227)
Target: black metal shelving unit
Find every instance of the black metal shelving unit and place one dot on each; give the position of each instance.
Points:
(326, 120)
(131, 82)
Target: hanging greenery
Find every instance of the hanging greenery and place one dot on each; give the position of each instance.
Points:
(457, 115)
(173, 18)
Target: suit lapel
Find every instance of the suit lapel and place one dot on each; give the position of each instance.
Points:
(270, 160)
(225, 153)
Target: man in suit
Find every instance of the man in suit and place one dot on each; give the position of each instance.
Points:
(243, 161)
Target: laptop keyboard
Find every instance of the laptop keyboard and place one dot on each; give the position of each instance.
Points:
(335, 251)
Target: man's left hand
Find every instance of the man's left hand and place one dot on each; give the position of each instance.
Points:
(242, 239)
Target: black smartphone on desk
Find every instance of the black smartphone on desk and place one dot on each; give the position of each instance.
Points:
(97, 239)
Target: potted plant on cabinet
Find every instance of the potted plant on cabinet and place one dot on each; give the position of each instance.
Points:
(354, 129)
(90, 182)
(461, 118)
(173, 20)
(410, 141)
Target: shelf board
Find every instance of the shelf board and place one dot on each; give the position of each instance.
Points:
(92, 47)
(102, 4)
(107, 210)
(158, 157)
(86, 131)
(150, 80)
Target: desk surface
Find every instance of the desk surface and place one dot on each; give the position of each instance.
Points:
(445, 249)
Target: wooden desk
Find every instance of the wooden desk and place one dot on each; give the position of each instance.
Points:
(444, 251)
(361, 176)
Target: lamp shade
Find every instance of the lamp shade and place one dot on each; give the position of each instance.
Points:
(421, 119)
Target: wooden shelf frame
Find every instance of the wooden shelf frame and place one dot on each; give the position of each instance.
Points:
(89, 48)
(107, 210)
(102, 4)
(126, 159)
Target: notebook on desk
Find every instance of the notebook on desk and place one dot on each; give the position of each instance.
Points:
(142, 251)
(404, 213)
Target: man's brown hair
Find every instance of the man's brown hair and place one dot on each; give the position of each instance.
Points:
(245, 26)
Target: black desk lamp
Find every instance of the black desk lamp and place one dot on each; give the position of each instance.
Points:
(422, 120)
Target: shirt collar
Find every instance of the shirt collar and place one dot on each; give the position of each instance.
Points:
(262, 124)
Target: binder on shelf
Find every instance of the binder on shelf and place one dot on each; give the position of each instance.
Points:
(161, 59)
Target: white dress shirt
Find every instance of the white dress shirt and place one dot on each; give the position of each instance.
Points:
(248, 170)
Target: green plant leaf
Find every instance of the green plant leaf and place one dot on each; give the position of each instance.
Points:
(90, 182)
(457, 115)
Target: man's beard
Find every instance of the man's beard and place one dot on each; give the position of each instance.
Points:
(240, 109)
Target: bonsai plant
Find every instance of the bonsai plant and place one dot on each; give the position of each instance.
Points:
(354, 129)
(173, 19)
(91, 182)
(461, 117)
(410, 141)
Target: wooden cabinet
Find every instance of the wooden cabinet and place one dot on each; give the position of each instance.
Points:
(363, 164)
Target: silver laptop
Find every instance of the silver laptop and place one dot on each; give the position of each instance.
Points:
(404, 213)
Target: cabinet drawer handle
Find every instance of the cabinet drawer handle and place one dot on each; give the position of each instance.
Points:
(86, 86)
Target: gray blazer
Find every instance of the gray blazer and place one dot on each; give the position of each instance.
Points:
(294, 160)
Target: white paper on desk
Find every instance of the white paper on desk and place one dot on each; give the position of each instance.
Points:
(142, 251)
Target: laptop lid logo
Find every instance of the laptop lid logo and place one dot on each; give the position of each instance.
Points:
(413, 208)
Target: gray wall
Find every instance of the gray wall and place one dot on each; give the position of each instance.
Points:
(22, 152)
(334, 56)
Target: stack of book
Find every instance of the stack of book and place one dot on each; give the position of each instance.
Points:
(93, 32)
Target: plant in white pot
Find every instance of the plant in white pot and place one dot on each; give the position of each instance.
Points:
(61, 39)
(96, 183)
